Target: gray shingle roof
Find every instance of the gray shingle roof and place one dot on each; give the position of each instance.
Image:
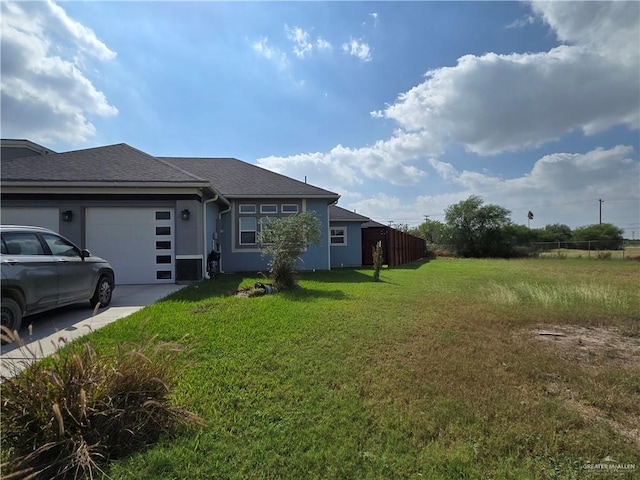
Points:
(373, 224)
(114, 163)
(235, 178)
(339, 214)
(124, 164)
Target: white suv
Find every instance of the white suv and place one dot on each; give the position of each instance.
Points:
(42, 270)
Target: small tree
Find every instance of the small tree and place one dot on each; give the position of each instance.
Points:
(377, 260)
(478, 230)
(283, 240)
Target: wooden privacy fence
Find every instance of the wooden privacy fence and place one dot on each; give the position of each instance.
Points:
(398, 247)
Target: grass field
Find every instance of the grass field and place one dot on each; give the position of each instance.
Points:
(437, 372)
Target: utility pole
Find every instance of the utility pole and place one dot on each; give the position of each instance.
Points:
(601, 202)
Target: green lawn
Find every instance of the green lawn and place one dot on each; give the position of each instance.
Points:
(434, 372)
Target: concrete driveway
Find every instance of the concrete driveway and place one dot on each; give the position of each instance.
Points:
(44, 333)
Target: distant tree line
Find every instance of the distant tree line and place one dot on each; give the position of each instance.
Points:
(475, 229)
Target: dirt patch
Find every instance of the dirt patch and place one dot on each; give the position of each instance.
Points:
(590, 344)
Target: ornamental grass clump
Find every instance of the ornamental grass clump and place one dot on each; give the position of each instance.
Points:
(69, 415)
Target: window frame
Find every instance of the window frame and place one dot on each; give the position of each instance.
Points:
(333, 235)
(287, 205)
(254, 230)
(249, 207)
(273, 206)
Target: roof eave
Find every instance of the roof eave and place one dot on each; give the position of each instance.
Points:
(104, 184)
(282, 195)
(345, 220)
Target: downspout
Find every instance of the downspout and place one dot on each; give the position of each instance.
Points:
(220, 220)
(204, 217)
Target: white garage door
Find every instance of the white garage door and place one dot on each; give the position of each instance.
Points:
(39, 217)
(137, 242)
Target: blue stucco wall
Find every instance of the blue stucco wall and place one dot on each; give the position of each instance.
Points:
(350, 254)
(249, 259)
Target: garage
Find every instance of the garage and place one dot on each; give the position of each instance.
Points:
(39, 217)
(137, 242)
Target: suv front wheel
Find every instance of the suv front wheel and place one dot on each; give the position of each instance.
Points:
(103, 292)
(11, 318)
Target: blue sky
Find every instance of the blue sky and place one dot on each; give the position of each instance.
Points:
(403, 108)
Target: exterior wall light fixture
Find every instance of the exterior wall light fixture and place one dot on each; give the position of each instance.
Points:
(67, 216)
(185, 214)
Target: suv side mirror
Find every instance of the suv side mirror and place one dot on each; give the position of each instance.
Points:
(84, 253)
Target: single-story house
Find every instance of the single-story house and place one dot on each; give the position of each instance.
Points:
(155, 219)
(346, 237)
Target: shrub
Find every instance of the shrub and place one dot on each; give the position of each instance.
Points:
(604, 256)
(283, 240)
(69, 415)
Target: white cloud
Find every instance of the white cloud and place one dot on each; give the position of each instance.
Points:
(608, 28)
(342, 166)
(263, 49)
(560, 188)
(323, 44)
(45, 92)
(522, 22)
(302, 45)
(357, 48)
(496, 103)
(561, 185)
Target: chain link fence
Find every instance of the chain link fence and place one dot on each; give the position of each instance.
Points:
(630, 250)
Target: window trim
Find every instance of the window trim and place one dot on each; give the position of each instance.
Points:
(249, 207)
(254, 230)
(273, 206)
(286, 205)
(343, 236)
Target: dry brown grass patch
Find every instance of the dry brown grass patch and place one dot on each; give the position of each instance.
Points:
(595, 345)
(599, 351)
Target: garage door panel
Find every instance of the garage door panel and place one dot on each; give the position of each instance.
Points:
(127, 238)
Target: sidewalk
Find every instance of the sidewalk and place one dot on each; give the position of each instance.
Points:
(51, 330)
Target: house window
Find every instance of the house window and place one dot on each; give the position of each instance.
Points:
(247, 209)
(248, 230)
(163, 230)
(272, 208)
(163, 215)
(338, 236)
(289, 208)
(264, 222)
